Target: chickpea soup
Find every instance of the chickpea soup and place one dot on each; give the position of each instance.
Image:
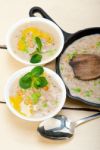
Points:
(35, 42)
(35, 94)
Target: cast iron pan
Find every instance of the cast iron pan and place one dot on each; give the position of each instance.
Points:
(69, 38)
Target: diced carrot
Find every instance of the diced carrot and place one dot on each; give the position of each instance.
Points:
(20, 92)
(46, 88)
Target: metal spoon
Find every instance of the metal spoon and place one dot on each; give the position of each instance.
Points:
(60, 127)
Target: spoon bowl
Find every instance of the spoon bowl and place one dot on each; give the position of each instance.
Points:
(60, 127)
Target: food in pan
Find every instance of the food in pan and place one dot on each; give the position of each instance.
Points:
(79, 62)
(35, 94)
(34, 44)
(86, 66)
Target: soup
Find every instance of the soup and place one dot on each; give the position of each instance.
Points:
(35, 94)
(88, 90)
(35, 43)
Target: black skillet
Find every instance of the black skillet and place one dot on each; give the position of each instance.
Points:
(69, 38)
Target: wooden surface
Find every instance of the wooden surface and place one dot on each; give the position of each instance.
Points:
(16, 134)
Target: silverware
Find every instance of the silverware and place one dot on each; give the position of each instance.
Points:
(60, 127)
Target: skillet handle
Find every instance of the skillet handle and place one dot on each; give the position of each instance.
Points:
(39, 10)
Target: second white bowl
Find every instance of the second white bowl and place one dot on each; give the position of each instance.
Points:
(20, 73)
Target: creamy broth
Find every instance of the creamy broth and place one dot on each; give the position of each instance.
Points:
(88, 90)
(24, 43)
(48, 99)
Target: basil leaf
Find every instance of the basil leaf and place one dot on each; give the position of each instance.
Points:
(40, 82)
(26, 81)
(37, 71)
(39, 43)
(27, 76)
(36, 58)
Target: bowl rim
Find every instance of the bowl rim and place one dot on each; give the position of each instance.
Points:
(21, 72)
(28, 20)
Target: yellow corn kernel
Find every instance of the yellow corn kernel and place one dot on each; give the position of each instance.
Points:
(15, 101)
(37, 32)
(21, 45)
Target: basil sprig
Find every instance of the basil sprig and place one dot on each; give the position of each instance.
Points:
(34, 78)
(37, 71)
(39, 44)
(36, 57)
(40, 82)
(25, 81)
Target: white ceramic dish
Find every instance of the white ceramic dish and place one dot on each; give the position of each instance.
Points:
(47, 25)
(21, 72)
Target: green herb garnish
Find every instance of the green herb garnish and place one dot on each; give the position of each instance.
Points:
(39, 43)
(76, 90)
(37, 71)
(45, 105)
(98, 45)
(25, 81)
(40, 82)
(71, 55)
(35, 97)
(88, 93)
(33, 79)
(36, 58)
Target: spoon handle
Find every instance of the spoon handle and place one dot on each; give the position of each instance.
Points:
(83, 120)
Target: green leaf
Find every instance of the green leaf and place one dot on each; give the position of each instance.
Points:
(76, 90)
(40, 82)
(71, 55)
(45, 105)
(88, 93)
(27, 76)
(26, 81)
(38, 50)
(36, 58)
(39, 43)
(98, 45)
(37, 71)
(35, 97)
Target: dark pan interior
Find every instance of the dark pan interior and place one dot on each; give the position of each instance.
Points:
(70, 40)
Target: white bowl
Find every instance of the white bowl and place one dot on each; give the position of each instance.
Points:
(21, 72)
(45, 24)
